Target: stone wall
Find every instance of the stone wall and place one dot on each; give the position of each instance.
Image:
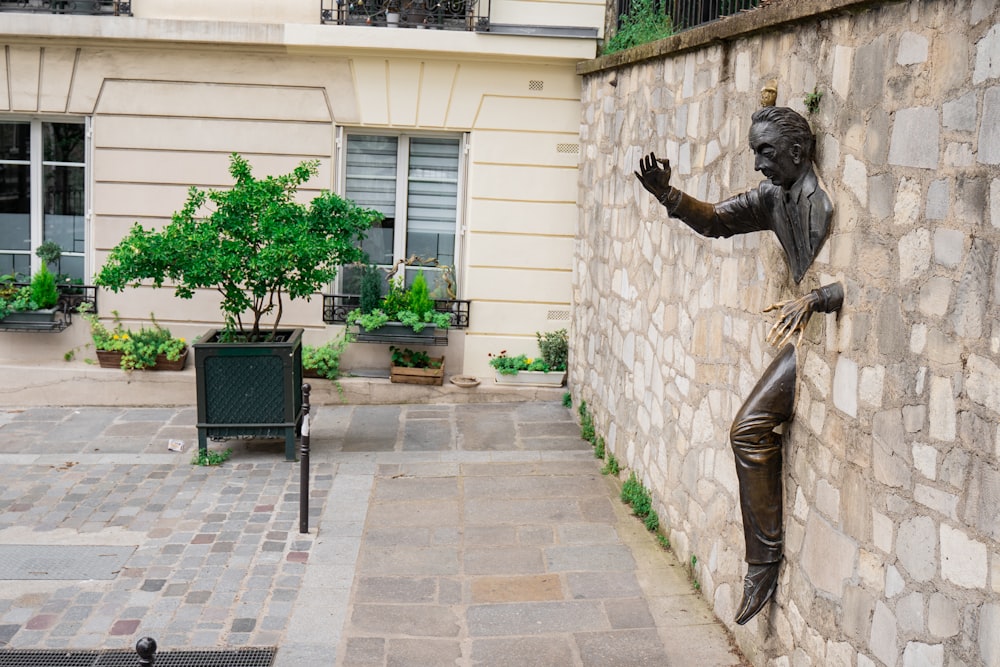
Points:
(891, 469)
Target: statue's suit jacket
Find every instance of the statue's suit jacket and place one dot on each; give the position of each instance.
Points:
(799, 217)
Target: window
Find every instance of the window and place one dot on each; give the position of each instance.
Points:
(42, 195)
(414, 182)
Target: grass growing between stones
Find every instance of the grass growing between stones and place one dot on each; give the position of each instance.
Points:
(209, 457)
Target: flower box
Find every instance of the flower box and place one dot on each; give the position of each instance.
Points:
(407, 375)
(111, 359)
(533, 378)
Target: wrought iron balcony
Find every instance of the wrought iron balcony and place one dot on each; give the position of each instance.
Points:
(429, 14)
(85, 7)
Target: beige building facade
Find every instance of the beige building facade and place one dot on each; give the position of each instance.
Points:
(163, 97)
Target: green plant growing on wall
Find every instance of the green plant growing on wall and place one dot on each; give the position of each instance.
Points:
(599, 448)
(812, 100)
(567, 400)
(643, 23)
(611, 466)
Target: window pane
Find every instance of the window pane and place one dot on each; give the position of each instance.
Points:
(63, 142)
(72, 266)
(64, 215)
(15, 207)
(432, 199)
(15, 140)
(11, 264)
(371, 173)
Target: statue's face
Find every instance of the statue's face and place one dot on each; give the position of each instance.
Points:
(774, 156)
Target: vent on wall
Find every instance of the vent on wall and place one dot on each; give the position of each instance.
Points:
(568, 148)
(558, 315)
(536, 85)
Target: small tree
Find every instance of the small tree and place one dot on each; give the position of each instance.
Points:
(255, 245)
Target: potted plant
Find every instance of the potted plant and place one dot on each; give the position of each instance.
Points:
(149, 348)
(413, 367)
(547, 370)
(256, 246)
(401, 313)
(30, 307)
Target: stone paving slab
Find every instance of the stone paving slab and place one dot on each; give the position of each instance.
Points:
(439, 535)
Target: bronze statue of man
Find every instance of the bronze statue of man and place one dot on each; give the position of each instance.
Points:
(793, 206)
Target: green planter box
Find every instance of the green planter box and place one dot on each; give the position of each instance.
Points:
(249, 389)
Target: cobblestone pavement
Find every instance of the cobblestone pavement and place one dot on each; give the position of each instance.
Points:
(439, 535)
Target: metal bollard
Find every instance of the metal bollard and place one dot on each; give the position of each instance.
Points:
(304, 463)
(146, 648)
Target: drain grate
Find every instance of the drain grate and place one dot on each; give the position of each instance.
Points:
(244, 657)
(34, 561)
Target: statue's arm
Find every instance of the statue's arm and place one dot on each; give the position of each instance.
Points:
(738, 215)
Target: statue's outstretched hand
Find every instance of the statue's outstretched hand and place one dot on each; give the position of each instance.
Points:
(654, 174)
(793, 317)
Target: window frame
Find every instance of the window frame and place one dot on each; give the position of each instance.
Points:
(37, 164)
(400, 227)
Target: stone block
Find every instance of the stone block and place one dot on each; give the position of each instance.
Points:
(916, 547)
(828, 556)
(989, 127)
(910, 613)
(925, 460)
(938, 201)
(987, 62)
(915, 137)
(940, 501)
(914, 254)
(982, 384)
(882, 531)
(913, 418)
(934, 296)
(943, 616)
(884, 638)
(868, 73)
(983, 490)
(912, 49)
(872, 385)
(889, 460)
(841, 83)
(845, 386)
(942, 410)
(989, 631)
(855, 177)
(857, 612)
(906, 210)
(949, 244)
(880, 196)
(960, 114)
(973, 291)
(894, 582)
(963, 560)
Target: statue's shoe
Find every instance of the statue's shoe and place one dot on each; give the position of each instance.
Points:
(758, 587)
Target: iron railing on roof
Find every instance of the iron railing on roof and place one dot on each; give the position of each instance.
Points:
(686, 14)
(429, 14)
(87, 7)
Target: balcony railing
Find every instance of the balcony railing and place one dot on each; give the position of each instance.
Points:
(86, 7)
(686, 14)
(429, 14)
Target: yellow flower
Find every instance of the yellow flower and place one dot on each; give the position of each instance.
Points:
(115, 336)
(529, 360)
(182, 340)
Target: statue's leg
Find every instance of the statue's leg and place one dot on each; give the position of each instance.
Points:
(757, 449)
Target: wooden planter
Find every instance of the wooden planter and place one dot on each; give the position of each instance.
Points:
(532, 378)
(430, 376)
(109, 359)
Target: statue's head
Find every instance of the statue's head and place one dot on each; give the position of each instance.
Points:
(782, 144)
